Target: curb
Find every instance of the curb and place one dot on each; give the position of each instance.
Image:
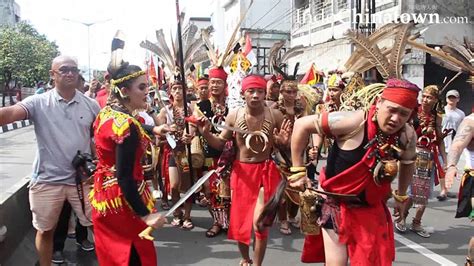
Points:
(15, 125)
(15, 215)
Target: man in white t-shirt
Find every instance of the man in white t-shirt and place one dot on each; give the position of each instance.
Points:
(451, 120)
(453, 116)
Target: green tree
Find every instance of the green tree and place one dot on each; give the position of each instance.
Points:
(25, 57)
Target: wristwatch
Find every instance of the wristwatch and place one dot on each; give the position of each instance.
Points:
(152, 111)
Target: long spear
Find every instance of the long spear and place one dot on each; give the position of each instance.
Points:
(183, 80)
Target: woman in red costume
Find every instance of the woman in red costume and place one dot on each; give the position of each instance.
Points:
(121, 203)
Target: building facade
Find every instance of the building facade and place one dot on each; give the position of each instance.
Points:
(266, 22)
(9, 12)
(321, 25)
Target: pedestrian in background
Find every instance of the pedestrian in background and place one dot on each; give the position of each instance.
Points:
(62, 119)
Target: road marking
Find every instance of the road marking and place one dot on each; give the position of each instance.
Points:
(423, 251)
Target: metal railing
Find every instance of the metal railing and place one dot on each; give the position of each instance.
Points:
(317, 10)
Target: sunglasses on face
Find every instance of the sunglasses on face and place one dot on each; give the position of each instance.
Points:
(66, 70)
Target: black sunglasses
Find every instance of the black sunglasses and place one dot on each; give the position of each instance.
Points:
(65, 70)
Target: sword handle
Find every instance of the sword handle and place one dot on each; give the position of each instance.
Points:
(146, 234)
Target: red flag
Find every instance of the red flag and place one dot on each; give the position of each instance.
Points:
(152, 73)
(248, 52)
(248, 45)
(310, 76)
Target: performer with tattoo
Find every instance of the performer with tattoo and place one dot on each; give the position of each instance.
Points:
(429, 168)
(175, 167)
(361, 165)
(215, 110)
(254, 175)
(464, 139)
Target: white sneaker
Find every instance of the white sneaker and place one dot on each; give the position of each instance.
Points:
(157, 194)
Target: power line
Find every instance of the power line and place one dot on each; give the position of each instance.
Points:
(266, 13)
(283, 16)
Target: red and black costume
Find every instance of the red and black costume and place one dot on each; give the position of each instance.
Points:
(219, 206)
(120, 195)
(428, 150)
(364, 225)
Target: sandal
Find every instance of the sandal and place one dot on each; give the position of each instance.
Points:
(442, 197)
(165, 206)
(203, 201)
(177, 222)
(212, 232)
(187, 224)
(295, 222)
(285, 228)
(401, 227)
(418, 229)
(468, 262)
(245, 262)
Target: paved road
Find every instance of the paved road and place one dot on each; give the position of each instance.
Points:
(17, 153)
(447, 246)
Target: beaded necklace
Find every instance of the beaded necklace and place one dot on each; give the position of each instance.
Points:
(427, 122)
(387, 152)
(178, 117)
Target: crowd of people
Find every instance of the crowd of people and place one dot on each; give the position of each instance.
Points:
(108, 154)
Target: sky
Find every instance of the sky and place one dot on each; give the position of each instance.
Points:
(137, 19)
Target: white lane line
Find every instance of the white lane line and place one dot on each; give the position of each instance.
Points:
(423, 251)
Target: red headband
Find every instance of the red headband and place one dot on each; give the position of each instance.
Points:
(253, 82)
(218, 73)
(401, 92)
(203, 81)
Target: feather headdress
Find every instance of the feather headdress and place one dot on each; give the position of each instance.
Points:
(194, 51)
(116, 56)
(453, 56)
(368, 54)
(278, 60)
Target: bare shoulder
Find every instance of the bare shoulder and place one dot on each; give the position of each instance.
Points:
(271, 104)
(232, 117)
(277, 114)
(466, 128)
(345, 122)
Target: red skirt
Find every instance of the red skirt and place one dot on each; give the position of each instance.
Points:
(114, 235)
(245, 182)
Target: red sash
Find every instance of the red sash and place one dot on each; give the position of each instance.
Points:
(358, 224)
